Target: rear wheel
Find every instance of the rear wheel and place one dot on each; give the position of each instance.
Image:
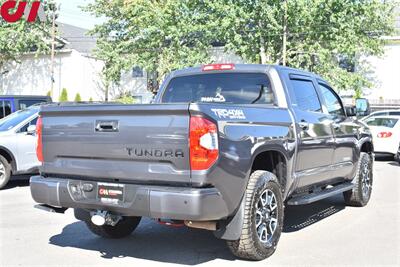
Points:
(263, 218)
(361, 193)
(5, 172)
(122, 229)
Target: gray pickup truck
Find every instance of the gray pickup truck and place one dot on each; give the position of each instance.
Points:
(223, 147)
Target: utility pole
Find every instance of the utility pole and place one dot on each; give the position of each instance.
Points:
(53, 48)
(284, 35)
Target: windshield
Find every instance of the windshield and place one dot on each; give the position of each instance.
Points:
(383, 122)
(16, 118)
(233, 88)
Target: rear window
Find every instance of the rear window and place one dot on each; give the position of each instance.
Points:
(383, 122)
(233, 88)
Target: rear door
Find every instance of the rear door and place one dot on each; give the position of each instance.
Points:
(345, 132)
(316, 144)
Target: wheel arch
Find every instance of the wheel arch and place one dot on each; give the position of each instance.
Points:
(275, 161)
(367, 147)
(8, 155)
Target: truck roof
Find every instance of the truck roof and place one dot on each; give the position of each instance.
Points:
(238, 68)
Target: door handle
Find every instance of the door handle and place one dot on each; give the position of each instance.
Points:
(107, 126)
(304, 125)
(336, 126)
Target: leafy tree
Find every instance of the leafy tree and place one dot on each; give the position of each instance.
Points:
(22, 37)
(319, 35)
(78, 98)
(63, 96)
(158, 36)
(126, 99)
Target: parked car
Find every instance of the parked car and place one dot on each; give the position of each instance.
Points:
(9, 103)
(223, 148)
(389, 112)
(398, 155)
(18, 144)
(386, 133)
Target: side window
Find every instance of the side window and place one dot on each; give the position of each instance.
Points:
(24, 129)
(332, 101)
(306, 95)
(7, 108)
(1, 109)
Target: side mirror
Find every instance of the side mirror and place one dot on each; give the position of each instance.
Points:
(351, 111)
(363, 107)
(31, 130)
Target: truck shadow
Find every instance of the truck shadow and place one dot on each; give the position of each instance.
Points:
(18, 181)
(150, 241)
(155, 242)
(300, 217)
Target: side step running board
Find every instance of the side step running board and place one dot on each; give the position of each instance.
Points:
(313, 197)
(50, 208)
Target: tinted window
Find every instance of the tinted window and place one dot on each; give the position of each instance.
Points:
(23, 104)
(306, 95)
(5, 108)
(15, 119)
(394, 113)
(237, 88)
(384, 122)
(332, 101)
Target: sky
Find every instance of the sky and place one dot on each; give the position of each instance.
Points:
(70, 13)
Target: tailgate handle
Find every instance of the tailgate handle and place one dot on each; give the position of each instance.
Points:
(107, 126)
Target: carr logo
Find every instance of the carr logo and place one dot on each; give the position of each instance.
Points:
(12, 11)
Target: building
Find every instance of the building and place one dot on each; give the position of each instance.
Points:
(385, 70)
(74, 69)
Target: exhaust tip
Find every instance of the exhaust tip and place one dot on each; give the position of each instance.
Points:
(98, 220)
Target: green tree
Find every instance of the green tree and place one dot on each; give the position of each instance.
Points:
(319, 35)
(126, 99)
(21, 37)
(91, 99)
(78, 98)
(63, 96)
(158, 36)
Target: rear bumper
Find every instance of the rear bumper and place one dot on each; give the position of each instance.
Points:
(140, 200)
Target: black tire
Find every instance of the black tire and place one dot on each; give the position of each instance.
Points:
(361, 193)
(250, 246)
(122, 229)
(5, 172)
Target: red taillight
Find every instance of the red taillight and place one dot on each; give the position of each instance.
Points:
(212, 67)
(385, 134)
(203, 143)
(39, 144)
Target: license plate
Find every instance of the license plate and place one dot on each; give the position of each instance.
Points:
(110, 192)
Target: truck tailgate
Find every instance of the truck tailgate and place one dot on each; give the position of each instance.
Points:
(126, 143)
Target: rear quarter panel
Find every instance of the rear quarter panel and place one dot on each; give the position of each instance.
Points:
(241, 138)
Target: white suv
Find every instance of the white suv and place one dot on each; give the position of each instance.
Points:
(18, 144)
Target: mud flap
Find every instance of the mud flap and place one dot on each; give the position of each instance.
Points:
(231, 229)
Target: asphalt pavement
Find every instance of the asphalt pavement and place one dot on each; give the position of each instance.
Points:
(323, 233)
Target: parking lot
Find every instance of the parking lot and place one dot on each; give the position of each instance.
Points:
(323, 233)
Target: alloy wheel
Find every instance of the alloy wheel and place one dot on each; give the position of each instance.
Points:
(366, 179)
(266, 216)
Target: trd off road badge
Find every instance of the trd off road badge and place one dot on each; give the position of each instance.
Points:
(12, 11)
(233, 114)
